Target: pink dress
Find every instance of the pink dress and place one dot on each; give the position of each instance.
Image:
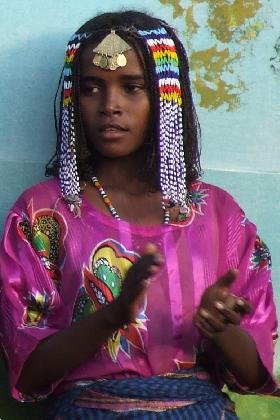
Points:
(56, 269)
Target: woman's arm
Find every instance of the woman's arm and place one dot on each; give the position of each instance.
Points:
(239, 354)
(218, 319)
(63, 351)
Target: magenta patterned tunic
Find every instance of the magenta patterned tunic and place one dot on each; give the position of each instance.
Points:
(56, 269)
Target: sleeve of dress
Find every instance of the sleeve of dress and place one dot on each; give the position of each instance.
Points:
(31, 307)
(247, 252)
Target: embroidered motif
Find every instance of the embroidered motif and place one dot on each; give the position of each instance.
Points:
(261, 258)
(195, 199)
(102, 283)
(37, 309)
(46, 231)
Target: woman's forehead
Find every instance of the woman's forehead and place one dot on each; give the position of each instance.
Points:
(133, 63)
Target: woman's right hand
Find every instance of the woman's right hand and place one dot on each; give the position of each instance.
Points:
(132, 296)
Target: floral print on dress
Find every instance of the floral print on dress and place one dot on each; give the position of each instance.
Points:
(37, 309)
(260, 258)
(46, 230)
(102, 281)
(196, 199)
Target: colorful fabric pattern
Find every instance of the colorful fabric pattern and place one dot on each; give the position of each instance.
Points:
(146, 398)
(46, 231)
(261, 258)
(103, 280)
(196, 200)
(36, 310)
(92, 254)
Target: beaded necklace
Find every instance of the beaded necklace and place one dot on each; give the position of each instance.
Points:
(110, 206)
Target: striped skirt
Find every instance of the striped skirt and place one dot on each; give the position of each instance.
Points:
(178, 395)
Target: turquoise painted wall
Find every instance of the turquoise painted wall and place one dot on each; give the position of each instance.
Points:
(240, 148)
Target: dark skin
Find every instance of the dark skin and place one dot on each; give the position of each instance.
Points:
(115, 109)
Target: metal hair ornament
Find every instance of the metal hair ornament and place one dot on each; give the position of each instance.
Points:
(109, 54)
(171, 147)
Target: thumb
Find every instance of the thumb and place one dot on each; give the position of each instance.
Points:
(227, 279)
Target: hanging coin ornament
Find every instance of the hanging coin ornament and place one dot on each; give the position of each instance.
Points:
(96, 60)
(113, 63)
(121, 60)
(109, 54)
(103, 62)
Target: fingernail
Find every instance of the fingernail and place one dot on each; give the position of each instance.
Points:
(204, 313)
(219, 305)
(158, 258)
(240, 302)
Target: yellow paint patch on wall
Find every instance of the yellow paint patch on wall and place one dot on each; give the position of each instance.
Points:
(231, 24)
(191, 25)
(177, 8)
(225, 19)
(208, 66)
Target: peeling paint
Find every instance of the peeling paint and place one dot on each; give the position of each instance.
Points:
(191, 25)
(226, 19)
(275, 60)
(208, 65)
(232, 26)
(177, 8)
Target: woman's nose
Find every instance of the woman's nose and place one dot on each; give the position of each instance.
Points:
(111, 103)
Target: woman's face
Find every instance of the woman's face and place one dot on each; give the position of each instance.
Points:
(115, 105)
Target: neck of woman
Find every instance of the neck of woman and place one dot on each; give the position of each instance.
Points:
(124, 173)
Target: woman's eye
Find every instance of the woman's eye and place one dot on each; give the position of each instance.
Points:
(134, 88)
(90, 90)
(95, 89)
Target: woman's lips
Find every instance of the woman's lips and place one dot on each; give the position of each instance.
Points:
(112, 132)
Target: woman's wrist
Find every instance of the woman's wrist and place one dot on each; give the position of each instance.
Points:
(116, 315)
(222, 337)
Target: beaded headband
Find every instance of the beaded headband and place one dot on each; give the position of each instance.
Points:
(68, 171)
(171, 148)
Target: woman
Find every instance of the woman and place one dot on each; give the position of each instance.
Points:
(130, 288)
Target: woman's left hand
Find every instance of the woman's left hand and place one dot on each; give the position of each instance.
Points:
(218, 307)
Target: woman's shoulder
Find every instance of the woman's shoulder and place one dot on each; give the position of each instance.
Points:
(211, 192)
(211, 196)
(42, 194)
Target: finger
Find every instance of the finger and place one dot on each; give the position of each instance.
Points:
(154, 269)
(143, 269)
(237, 304)
(227, 279)
(132, 294)
(242, 306)
(203, 327)
(230, 315)
(229, 300)
(216, 324)
(151, 249)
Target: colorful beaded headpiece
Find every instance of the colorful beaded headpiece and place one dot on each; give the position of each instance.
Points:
(68, 172)
(171, 148)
